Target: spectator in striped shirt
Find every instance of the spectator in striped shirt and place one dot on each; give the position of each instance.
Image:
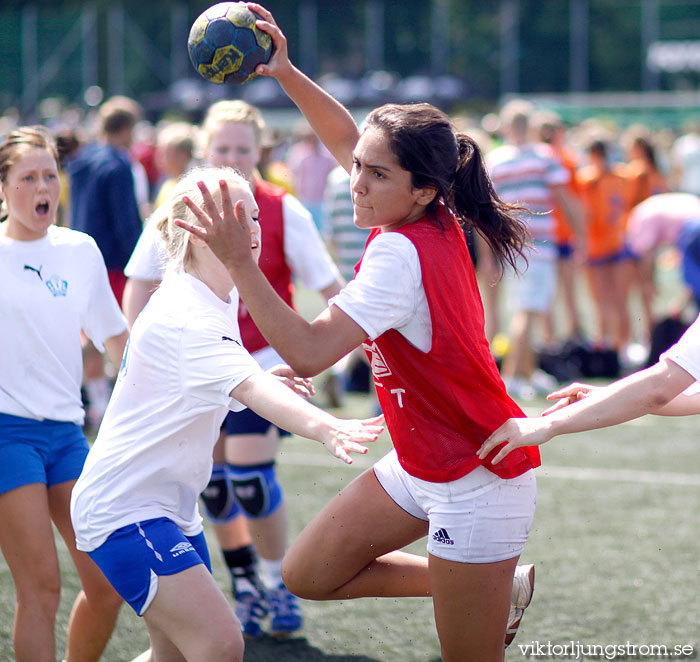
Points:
(528, 174)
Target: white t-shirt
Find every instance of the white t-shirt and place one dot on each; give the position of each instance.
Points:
(388, 293)
(686, 354)
(304, 250)
(51, 289)
(153, 454)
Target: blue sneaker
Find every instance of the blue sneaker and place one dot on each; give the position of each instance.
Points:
(285, 612)
(251, 610)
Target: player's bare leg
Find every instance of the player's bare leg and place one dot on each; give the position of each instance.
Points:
(269, 534)
(192, 617)
(348, 549)
(96, 608)
(567, 278)
(519, 362)
(602, 301)
(26, 540)
(167, 651)
(268, 530)
(471, 603)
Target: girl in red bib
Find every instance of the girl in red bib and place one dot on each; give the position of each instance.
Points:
(414, 306)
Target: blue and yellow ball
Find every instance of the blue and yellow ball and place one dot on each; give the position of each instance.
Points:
(225, 46)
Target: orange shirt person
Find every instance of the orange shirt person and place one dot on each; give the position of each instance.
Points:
(603, 195)
(642, 173)
(643, 180)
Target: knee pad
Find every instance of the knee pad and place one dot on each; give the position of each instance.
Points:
(256, 489)
(220, 505)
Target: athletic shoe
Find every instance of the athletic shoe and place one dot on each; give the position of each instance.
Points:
(285, 613)
(251, 610)
(519, 388)
(542, 382)
(523, 587)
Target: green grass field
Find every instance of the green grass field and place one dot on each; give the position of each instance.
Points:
(615, 541)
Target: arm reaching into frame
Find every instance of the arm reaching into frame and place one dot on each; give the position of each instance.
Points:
(586, 408)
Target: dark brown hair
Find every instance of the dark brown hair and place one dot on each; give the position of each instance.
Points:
(426, 145)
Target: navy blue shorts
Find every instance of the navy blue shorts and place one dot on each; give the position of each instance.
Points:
(31, 451)
(248, 422)
(608, 259)
(689, 245)
(565, 251)
(133, 558)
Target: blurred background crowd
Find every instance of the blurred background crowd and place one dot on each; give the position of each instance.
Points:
(599, 97)
(628, 194)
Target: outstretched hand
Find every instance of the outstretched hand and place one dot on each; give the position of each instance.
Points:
(348, 436)
(568, 395)
(225, 232)
(515, 433)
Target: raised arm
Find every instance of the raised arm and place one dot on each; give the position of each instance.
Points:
(643, 392)
(329, 119)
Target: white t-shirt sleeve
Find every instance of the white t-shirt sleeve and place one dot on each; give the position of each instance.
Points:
(103, 316)
(213, 363)
(387, 292)
(148, 260)
(304, 250)
(686, 354)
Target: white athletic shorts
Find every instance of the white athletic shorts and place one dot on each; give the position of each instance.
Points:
(479, 518)
(533, 291)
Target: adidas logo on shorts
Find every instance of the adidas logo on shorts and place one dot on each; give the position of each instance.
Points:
(442, 536)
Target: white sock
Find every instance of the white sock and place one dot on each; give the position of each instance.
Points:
(244, 585)
(271, 572)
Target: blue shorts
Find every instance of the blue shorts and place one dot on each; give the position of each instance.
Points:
(248, 422)
(133, 558)
(565, 251)
(32, 451)
(609, 259)
(689, 245)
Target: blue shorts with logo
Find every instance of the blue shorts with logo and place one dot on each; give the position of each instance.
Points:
(134, 556)
(31, 451)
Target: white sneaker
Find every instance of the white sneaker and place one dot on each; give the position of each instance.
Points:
(520, 598)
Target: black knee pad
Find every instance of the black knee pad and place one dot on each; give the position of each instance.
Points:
(220, 505)
(256, 489)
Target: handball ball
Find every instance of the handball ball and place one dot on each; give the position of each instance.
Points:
(225, 46)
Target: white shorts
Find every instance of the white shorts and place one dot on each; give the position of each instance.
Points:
(479, 518)
(533, 291)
